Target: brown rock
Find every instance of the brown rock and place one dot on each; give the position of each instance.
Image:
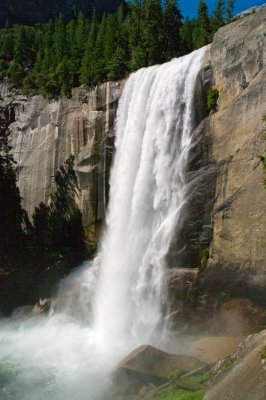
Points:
(211, 349)
(43, 306)
(240, 317)
(236, 138)
(243, 376)
(157, 362)
(147, 366)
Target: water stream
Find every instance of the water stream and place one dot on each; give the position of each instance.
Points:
(122, 295)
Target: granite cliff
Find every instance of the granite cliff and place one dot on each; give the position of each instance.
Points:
(236, 137)
(44, 134)
(232, 224)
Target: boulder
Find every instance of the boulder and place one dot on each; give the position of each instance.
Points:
(158, 362)
(150, 366)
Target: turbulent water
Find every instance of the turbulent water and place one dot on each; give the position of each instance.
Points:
(120, 300)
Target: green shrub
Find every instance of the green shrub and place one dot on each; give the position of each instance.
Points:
(227, 363)
(212, 99)
(172, 392)
(263, 353)
(176, 373)
(204, 258)
(197, 379)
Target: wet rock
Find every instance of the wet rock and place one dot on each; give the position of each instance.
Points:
(179, 281)
(42, 307)
(158, 362)
(148, 366)
(239, 317)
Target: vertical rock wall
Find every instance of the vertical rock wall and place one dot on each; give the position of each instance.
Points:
(230, 200)
(236, 134)
(44, 134)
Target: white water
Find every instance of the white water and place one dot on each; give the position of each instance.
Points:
(123, 304)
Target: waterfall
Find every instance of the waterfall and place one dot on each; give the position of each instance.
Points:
(148, 190)
(124, 288)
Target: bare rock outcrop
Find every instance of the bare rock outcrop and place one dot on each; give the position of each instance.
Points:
(236, 137)
(43, 135)
(243, 374)
(212, 349)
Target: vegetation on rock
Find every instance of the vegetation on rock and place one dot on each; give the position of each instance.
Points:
(212, 99)
(196, 388)
(172, 393)
(53, 57)
(226, 364)
(204, 258)
(263, 353)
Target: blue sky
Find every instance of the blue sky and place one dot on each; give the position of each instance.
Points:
(189, 7)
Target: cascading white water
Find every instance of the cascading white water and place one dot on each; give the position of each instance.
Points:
(148, 191)
(62, 358)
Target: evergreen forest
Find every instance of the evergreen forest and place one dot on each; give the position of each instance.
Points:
(53, 57)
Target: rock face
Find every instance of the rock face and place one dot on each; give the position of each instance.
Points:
(227, 211)
(242, 375)
(235, 135)
(44, 134)
(212, 349)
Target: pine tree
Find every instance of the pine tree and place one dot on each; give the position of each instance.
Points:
(110, 42)
(6, 45)
(63, 77)
(116, 62)
(137, 58)
(15, 74)
(186, 33)
(230, 5)
(88, 60)
(59, 38)
(217, 20)
(20, 46)
(202, 31)
(172, 23)
(77, 33)
(152, 31)
(81, 32)
(98, 64)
